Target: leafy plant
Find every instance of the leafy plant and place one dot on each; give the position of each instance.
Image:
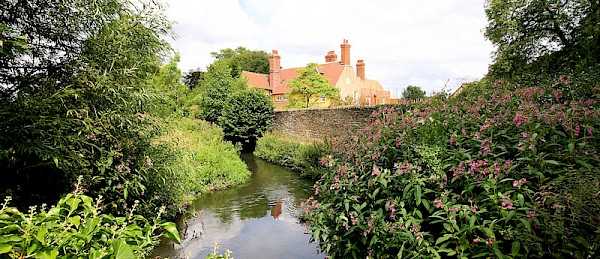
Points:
(494, 172)
(309, 86)
(76, 228)
(246, 116)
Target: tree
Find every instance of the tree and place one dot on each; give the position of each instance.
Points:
(246, 116)
(309, 86)
(193, 77)
(242, 59)
(70, 105)
(413, 92)
(543, 35)
(215, 87)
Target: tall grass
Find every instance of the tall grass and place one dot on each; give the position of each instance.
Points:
(204, 162)
(293, 153)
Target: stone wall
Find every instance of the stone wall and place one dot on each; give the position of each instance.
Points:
(317, 124)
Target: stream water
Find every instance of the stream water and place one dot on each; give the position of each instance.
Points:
(258, 219)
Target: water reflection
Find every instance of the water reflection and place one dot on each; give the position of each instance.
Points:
(256, 220)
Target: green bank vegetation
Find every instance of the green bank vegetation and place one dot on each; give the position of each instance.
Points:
(96, 121)
(508, 168)
(306, 158)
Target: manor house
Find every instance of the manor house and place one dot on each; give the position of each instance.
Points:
(354, 87)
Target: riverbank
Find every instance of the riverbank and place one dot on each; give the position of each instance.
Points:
(293, 153)
(203, 161)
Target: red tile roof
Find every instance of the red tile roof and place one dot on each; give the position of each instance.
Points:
(257, 80)
(331, 71)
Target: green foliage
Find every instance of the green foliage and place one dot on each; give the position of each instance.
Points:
(202, 161)
(72, 105)
(242, 59)
(246, 116)
(413, 93)
(543, 37)
(215, 88)
(502, 170)
(309, 86)
(292, 153)
(170, 96)
(76, 228)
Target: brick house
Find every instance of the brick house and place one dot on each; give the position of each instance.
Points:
(354, 87)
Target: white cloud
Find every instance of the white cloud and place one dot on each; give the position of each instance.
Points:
(411, 42)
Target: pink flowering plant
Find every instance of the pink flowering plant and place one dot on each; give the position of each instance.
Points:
(502, 170)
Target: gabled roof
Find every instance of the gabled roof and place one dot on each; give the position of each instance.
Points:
(332, 71)
(257, 80)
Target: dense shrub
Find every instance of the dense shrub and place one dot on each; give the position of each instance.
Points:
(246, 116)
(501, 170)
(293, 153)
(202, 160)
(76, 228)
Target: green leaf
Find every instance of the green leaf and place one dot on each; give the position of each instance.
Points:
(171, 232)
(509, 215)
(75, 220)
(41, 234)
(498, 253)
(48, 254)
(571, 146)
(521, 199)
(121, 250)
(418, 194)
(515, 248)
(552, 162)
(442, 239)
(5, 248)
(472, 221)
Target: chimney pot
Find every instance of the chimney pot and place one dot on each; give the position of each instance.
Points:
(360, 69)
(345, 52)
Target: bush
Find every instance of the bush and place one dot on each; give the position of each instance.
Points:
(246, 116)
(501, 170)
(202, 160)
(292, 153)
(75, 228)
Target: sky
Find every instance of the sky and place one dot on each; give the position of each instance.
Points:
(427, 43)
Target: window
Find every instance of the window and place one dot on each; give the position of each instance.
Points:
(348, 80)
(322, 99)
(382, 100)
(368, 100)
(278, 98)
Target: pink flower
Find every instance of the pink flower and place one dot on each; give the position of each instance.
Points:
(490, 241)
(531, 214)
(476, 240)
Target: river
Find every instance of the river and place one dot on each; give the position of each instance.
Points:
(258, 219)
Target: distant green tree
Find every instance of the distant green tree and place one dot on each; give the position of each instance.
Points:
(543, 36)
(193, 77)
(168, 92)
(413, 92)
(246, 116)
(242, 59)
(310, 86)
(215, 88)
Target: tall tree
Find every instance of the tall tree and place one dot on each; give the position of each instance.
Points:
(413, 92)
(215, 88)
(310, 86)
(550, 34)
(70, 103)
(242, 59)
(246, 116)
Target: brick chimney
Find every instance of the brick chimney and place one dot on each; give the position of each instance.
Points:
(360, 69)
(331, 56)
(345, 53)
(275, 69)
